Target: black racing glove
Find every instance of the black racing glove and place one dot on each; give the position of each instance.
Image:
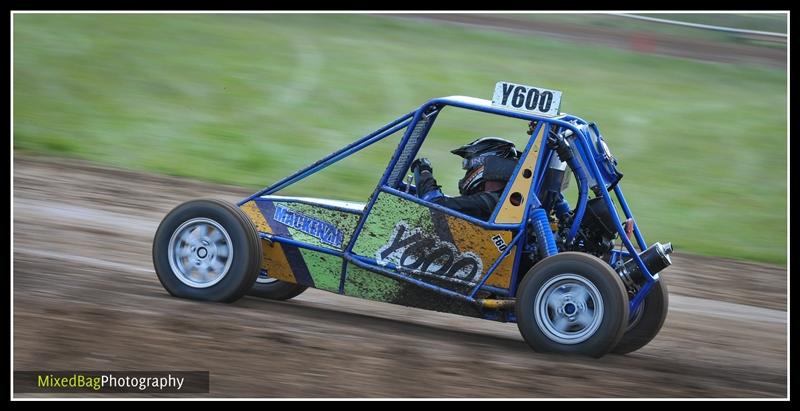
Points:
(423, 164)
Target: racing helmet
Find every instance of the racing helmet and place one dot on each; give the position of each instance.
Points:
(475, 156)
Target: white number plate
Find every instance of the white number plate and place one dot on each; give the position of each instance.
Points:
(527, 99)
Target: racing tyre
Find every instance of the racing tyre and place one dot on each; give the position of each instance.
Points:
(274, 289)
(647, 320)
(207, 250)
(572, 303)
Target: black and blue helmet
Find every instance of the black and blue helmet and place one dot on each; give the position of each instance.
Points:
(475, 157)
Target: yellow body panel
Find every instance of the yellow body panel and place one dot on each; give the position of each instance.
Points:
(510, 213)
(251, 210)
(468, 236)
(274, 258)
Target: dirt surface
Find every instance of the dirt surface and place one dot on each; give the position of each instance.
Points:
(86, 297)
(624, 39)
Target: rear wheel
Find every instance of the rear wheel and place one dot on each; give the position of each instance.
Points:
(274, 289)
(207, 250)
(572, 303)
(647, 321)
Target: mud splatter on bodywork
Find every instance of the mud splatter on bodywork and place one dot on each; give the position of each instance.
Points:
(294, 264)
(433, 241)
(398, 234)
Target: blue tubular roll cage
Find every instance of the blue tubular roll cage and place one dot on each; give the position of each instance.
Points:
(428, 112)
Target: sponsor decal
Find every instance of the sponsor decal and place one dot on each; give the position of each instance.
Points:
(322, 230)
(415, 250)
(499, 243)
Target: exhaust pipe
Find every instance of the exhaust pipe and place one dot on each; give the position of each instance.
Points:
(655, 258)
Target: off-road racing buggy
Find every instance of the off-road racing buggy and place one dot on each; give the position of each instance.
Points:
(570, 277)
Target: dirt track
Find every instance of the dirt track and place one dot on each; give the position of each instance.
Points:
(642, 42)
(86, 297)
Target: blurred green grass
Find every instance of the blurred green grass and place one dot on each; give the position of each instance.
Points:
(246, 99)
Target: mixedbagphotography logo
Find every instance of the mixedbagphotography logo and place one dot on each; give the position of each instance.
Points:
(111, 381)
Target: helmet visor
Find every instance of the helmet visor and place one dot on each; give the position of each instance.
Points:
(470, 163)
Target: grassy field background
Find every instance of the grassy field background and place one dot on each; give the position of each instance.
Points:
(246, 99)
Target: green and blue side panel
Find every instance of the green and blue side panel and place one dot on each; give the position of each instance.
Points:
(322, 227)
(453, 253)
(443, 250)
(398, 234)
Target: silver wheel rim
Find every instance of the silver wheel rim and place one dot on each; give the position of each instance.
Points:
(568, 309)
(637, 316)
(200, 252)
(263, 278)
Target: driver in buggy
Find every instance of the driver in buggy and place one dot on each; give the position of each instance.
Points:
(489, 163)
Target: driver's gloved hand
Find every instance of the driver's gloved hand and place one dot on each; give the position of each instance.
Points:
(421, 164)
(427, 189)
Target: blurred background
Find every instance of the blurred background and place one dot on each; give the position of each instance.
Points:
(246, 99)
(117, 118)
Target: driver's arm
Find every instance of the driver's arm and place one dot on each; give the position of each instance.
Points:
(480, 205)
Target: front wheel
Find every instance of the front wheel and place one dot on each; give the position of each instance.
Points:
(207, 250)
(646, 321)
(572, 303)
